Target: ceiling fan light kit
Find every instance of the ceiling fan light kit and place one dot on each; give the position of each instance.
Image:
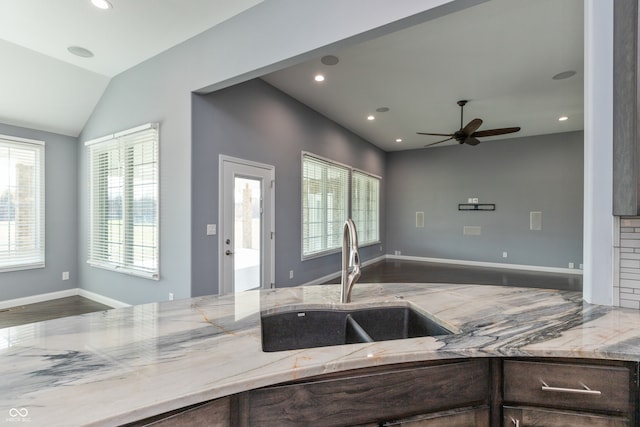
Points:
(469, 134)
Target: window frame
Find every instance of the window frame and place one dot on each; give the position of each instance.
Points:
(38, 259)
(361, 232)
(123, 145)
(346, 203)
(349, 204)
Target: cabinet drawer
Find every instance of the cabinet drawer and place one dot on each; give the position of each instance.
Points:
(530, 417)
(589, 387)
(368, 397)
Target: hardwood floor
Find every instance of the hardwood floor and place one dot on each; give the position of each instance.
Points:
(400, 271)
(47, 310)
(390, 271)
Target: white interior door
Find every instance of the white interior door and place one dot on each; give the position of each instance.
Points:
(247, 225)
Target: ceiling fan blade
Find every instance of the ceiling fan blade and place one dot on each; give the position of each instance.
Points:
(494, 132)
(472, 126)
(471, 141)
(438, 142)
(435, 134)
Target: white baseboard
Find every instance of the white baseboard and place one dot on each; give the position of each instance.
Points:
(102, 299)
(38, 298)
(489, 264)
(62, 294)
(332, 276)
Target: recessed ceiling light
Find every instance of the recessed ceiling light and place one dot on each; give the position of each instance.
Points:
(370, 118)
(564, 75)
(329, 60)
(319, 78)
(563, 118)
(382, 109)
(398, 139)
(101, 4)
(80, 51)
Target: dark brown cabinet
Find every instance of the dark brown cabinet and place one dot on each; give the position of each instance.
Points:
(452, 393)
(527, 416)
(366, 396)
(540, 393)
(626, 141)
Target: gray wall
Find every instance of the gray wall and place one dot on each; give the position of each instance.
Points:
(519, 175)
(60, 220)
(264, 38)
(255, 121)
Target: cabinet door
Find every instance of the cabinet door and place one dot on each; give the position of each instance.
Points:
(626, 144)
(477, 417)
(368, 397)
(524, 416)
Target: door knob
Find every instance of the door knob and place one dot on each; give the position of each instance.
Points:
(228, 252)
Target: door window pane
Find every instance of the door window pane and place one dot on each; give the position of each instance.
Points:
(247, 232)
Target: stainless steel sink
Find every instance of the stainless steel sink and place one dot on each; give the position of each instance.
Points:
(318, 327)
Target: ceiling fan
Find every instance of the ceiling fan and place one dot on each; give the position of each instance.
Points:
(469, 134)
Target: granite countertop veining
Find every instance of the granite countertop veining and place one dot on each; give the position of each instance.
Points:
(126, 364)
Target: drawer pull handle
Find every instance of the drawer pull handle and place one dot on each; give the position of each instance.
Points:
(585, 390)
(515, 422)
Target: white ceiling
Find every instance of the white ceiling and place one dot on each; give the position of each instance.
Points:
(500, 55)
(45, 87)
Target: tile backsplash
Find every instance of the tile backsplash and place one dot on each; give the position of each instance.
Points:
(626, 252)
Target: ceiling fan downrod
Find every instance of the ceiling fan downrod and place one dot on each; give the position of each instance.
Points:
(462, 103)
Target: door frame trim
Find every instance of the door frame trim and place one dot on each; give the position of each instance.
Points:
(272, 242)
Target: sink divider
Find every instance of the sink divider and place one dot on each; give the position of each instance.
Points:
(362, 334)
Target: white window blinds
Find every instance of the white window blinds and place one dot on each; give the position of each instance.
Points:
(21, 204)
(325, 189)
(124, 211)
(365, 194)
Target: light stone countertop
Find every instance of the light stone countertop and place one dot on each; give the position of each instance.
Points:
(126, 364)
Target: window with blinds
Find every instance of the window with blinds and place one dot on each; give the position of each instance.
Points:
(365, 193)
(22, 235)
(124, 206)
(325, 203)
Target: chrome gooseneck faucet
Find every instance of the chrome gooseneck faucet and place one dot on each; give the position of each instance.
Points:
(350, 260)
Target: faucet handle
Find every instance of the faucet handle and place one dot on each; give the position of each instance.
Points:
(354, 258)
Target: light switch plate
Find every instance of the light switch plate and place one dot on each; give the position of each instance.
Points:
(535, 221)
(211, 230)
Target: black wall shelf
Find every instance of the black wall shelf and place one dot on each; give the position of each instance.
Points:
(477, 207)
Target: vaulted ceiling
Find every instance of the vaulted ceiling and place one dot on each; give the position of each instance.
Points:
(500, 55)
(45, 87)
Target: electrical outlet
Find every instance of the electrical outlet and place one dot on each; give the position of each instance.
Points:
(65, 275)
(290, 274)
(570, 265)
(211, 230)
(170, 296)
(397, 253)
(581, 267)
(504, 254)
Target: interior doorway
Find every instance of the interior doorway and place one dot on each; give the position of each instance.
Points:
(246, 244)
